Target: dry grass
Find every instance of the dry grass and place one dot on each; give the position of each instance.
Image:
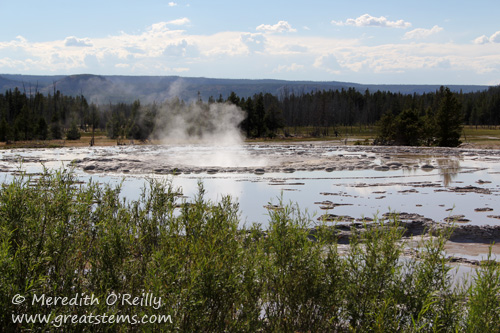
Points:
(481, 137)
(472, 137)
(84, 141)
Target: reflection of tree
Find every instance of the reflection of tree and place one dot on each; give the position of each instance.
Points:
(448, 169)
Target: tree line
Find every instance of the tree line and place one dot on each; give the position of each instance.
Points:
(409, 119)
(40, 117)
(441, 126)
(348, 107)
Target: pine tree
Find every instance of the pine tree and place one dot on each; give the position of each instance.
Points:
(247, 124)
(449, 120)
(274, 119)
(408, 128)
(3, 130)
(260, 114)
(73, 133)
(386, 129)
(42, 130)
(428, 127)
(55, 131)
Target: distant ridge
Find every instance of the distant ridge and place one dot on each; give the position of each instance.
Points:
(114, 88)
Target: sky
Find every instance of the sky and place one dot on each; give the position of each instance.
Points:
(370, 42)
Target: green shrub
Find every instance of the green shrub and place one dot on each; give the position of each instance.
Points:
(61, 238)
(73, 133)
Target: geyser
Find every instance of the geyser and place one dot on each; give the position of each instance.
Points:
(207, 124)
(210, 130)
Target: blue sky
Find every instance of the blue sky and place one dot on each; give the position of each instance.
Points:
(384, 42)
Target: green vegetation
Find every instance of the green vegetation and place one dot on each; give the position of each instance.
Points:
(62, 238)
(410, 128)
(404, 119)
(73, 133)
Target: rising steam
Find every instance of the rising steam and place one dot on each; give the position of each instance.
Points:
(199, 123)
(208, 134)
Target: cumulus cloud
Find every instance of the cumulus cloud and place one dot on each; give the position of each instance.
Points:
(165, 49)
(181, 21)
(495, 38)
(157, 27)
(281, 26)
(367, 20)
(227, 43)
(421, 33)
(482, 40)
(172, 4)
(180, 49)
(78, 42)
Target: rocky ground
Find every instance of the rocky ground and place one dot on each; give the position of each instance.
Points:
(259, 158)
(468, 244)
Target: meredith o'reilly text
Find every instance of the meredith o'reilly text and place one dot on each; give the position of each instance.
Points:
(82, 299)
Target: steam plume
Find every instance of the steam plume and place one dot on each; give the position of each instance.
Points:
(209, 124)
(211, 131)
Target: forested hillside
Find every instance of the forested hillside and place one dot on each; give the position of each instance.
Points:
(103, 89)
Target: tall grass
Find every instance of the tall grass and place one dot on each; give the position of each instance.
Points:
(61, 238)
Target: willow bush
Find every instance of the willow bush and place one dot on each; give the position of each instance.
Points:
(60, 238)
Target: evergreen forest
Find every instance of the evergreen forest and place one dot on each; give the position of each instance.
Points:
(401, 119)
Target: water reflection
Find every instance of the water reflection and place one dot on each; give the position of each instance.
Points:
(448, 167)
(354, 188)
(448, 170)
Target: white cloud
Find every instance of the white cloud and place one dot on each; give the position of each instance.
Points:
(9, 63)
(281, 26)
(78, 42)
(227, 43)
(482, 40)
(180, 49)
(157, 27)
(181, 21)
(163, 50)
(172, 4)
(421, 33)
(495, 38)
(367, 20)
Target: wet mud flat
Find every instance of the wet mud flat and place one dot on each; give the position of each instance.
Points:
(272, 158)
(467, 244)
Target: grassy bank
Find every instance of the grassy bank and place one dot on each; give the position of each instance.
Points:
(472, 136)
(62, 239)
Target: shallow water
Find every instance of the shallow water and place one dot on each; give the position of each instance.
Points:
(354, 178)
